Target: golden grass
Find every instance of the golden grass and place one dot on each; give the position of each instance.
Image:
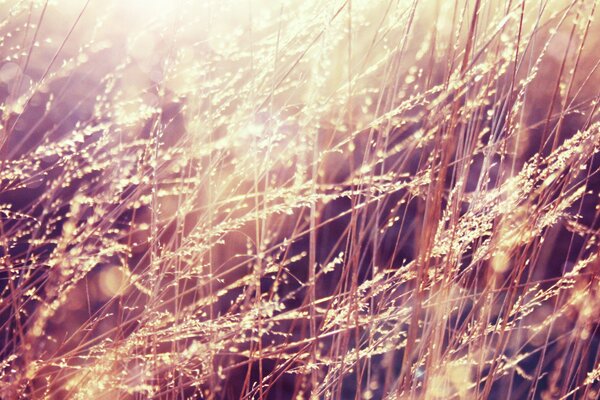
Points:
(299, 199)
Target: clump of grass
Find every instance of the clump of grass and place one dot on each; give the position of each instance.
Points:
(299, 199)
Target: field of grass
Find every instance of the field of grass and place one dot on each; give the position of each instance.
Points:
(299, 199)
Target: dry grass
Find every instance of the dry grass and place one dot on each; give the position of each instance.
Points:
(299, 199)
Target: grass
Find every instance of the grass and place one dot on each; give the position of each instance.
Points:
(299, 199)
